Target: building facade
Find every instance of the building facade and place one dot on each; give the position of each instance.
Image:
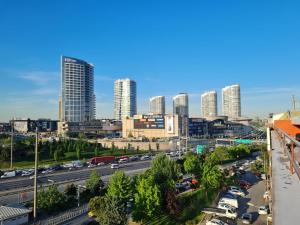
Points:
(77, 90)
(157, 105)
(209, 104)
(181, 105)
(151, 126)
(231, 101)
(125, 100)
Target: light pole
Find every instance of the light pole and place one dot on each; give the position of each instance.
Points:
(11, 143)
(78, 193)
(35, 176)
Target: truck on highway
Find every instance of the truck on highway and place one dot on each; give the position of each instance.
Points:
(229, 213)
(102, 159)
(8, 174)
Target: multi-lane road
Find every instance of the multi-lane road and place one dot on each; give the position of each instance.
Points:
(10, 189)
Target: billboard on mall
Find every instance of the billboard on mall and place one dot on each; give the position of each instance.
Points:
(170, 124)
(150, 122)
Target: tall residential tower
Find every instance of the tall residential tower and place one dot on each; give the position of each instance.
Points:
(125, 102)
(77, 90)
(209, 104)
(231, 101)
(157, 105)
(181, 104)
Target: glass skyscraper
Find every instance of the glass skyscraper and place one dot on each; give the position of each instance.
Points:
(77, 90)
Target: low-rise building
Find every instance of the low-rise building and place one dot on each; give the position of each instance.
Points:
(151, 126)
(14, 215)
(28, 125)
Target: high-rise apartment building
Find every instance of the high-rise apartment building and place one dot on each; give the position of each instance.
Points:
(157, 105)
(77, 90)
(231, 101)
(209, 104)
(181, 104)
(125, 102)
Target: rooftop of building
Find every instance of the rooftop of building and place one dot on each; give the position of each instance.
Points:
(11, 211)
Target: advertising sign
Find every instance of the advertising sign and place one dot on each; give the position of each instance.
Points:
(150, 122)
(170, 124)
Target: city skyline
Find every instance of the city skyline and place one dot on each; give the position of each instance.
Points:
(184, 48)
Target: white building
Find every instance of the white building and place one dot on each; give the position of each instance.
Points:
(157, 105)
(125, 100)
(181, 105)
(231, 101)
(14, 215)
(209, 104)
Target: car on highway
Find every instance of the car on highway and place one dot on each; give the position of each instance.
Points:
(27, 173)
(134, 158)
(215, 222)
(263, 210)
(247, 218)
(8, 174)
(91, 165)
(237, 192)
(101, 164)
(123, 160)
(48, 171)
(114, 166)
(145, 157)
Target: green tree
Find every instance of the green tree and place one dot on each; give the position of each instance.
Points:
(56, 155)
(165, 172)
(108, 211)
(192, 164)
(94, 184)
(71, 194)
(120, 187)
(96, 152)
(51, 200)
(78, 152)
(147, 200)
(222, 153)
(211, 176)
(157, 146)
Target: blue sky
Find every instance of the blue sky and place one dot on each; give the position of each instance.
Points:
(166, 46)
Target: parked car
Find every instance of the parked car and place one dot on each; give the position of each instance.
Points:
(263, 210)
(247, 218)
(225, 206)
(229, 201)
(266, 195)
(229, 195)
(237, 192)
(243, 184)
(114, 166)
(145, 157)
(216, 222)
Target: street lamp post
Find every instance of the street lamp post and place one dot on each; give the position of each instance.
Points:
(12, 144)
(78, 193)
(35, 176)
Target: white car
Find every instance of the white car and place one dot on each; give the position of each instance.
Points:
(263, 210)
(114, 166)
(237, 192)
(266, 195)
(216, 222)
(27, 173)
(91, 165)
(225, 206)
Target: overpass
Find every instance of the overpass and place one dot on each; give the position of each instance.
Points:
(284, 153)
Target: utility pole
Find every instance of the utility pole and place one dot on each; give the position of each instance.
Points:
(12, 143)
(35, 176)
(186, 135)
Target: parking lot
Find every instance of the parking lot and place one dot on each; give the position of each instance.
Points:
(251, 202)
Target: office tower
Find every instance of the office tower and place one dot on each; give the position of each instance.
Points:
(209, 104)
(77, 90)
(125, 103)
(181, 104)
(231, 101)
(157, 105)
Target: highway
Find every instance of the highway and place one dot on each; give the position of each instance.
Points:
(10, 189)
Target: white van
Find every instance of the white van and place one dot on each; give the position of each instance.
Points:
(229, 201)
